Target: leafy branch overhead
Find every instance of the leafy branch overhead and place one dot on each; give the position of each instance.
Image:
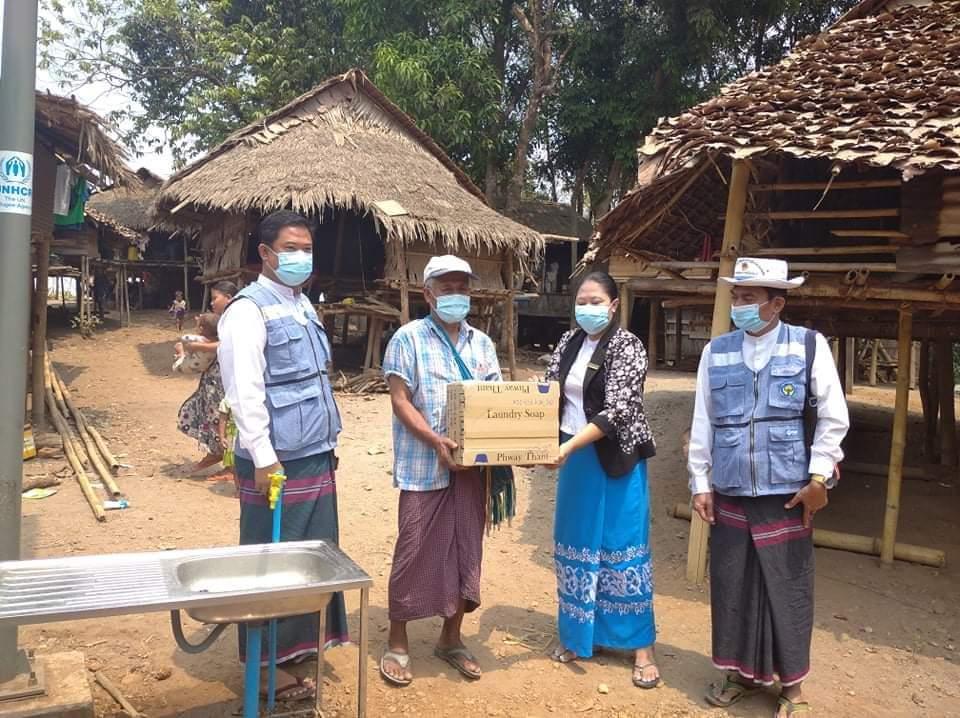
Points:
(547, 97)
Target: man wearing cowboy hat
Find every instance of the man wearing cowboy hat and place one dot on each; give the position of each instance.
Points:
(768, 421)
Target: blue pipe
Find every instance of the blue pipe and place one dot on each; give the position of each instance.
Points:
(251, 679)
(272, 646)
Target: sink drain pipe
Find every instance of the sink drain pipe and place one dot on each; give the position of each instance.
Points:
(182, 641)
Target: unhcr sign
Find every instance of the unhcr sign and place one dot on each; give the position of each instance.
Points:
(16, 182)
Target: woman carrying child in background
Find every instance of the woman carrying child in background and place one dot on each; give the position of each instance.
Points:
(199, 416)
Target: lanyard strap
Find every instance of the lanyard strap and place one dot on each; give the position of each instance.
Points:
(465, 372)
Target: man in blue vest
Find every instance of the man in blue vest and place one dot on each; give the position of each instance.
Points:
(275, 355)
(758, 478)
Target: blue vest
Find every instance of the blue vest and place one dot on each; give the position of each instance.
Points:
(304, 420)
(758, 443)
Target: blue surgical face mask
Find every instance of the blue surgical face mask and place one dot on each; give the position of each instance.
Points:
(294, 267)
(453, 308)
(747, 317)
(592, 318)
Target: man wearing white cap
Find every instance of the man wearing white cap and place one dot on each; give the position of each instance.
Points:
(768, 421)
(442, 511)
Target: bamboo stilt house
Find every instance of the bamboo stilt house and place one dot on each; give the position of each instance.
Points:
(545, 312)
(133, 250)
(382, 193)
(844, 158)
(70, 142)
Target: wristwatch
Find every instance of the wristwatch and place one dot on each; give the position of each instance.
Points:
(821, 479)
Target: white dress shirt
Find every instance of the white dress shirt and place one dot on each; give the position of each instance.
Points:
(574, 416)
(833, 420)
(243, 339)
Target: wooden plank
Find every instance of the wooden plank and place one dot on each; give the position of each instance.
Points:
(891, 233)
(899, 440)
(826, 214)
(729, 251)
(809, 186)
(842, 267)
(821, 288)
(825, 251)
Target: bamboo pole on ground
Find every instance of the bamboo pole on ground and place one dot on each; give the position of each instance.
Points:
(869, 545)
(948, 419)
(83, 430)
(729, 251)
(115, 693)
(61, 405)
(69, 449)
(41, 294)
(104, 448)
(899, 439)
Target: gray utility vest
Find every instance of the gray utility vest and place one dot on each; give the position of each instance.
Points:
(758, 440)
(304, 419)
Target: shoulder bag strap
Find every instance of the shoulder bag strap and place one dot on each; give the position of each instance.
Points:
(465, 372)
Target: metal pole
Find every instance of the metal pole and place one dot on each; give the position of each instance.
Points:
(18, 67)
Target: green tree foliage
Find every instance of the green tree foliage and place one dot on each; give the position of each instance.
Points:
(464, 69)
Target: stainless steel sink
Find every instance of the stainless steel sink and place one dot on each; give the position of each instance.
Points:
(215, 585)
(265, 573)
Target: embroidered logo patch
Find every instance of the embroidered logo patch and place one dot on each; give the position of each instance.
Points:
(788, 389)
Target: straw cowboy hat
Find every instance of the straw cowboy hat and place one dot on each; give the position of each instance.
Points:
(754, 272)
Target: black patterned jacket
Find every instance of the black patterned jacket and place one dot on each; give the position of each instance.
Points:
(612, 396)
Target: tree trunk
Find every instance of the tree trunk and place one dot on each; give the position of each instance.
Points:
(614, 175)
(538, 24)
(578, 181)
(501, 33)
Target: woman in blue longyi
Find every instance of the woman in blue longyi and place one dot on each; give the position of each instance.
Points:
(602, 526)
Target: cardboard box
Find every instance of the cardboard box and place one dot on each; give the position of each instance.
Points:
(514, 423)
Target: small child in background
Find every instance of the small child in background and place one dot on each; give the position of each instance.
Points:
(178, 310)
(189, 351)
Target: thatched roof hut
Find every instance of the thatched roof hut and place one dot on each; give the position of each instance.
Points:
(343, 145)
(552, 220)
(128, 206)
(877, 94)
(845, 159)
(382, 192)
(78, 135)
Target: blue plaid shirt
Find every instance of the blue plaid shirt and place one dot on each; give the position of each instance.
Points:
(418, 354)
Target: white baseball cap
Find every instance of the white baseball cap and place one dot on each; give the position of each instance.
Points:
(447, 264)
(755, 272)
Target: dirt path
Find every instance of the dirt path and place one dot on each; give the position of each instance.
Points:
(886, 641)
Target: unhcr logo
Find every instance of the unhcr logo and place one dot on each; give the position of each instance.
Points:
(13, 168)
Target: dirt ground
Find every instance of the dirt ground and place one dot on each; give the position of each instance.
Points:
(885, 644)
